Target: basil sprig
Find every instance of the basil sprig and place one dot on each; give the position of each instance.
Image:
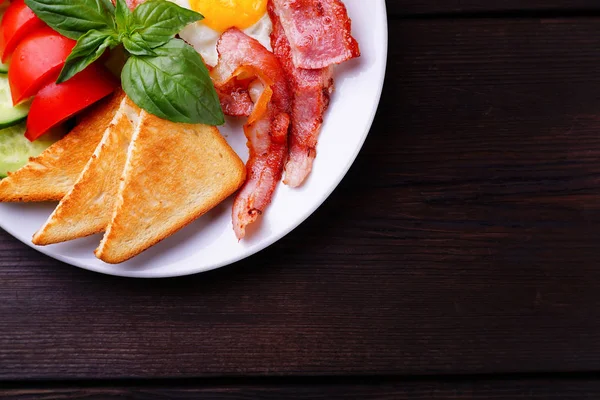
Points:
(178, 90)
(163, 75)
(74, 18)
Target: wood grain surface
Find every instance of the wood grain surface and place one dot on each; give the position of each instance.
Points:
(429, 390)
(458, 8)
(464, 240)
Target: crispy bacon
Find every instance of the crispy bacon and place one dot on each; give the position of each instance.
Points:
(235, 100)
(244, 61)
(311, 90)
(319, 32)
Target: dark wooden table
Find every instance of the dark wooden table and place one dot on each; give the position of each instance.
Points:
(460, 258)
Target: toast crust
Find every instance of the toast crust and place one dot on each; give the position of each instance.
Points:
(50, 176)
(87, 208)
(174, 174)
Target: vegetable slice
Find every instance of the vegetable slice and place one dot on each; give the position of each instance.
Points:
(37, 61)
(57, 102)
(18, 21)
(10, 115)
(15, 149)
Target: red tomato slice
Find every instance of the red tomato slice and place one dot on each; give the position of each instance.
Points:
(17, 22)
(56, 103)
(37, 61)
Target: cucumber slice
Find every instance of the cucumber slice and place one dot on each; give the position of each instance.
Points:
(10, 115)
(15, 149)
(3, 69)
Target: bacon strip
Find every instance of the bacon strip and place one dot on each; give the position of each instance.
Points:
(235, 100)
(312, 89)
(243, 60)
(319, 32)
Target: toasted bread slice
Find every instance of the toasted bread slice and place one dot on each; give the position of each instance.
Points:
(51, 175)
(87, 208)
(174, 174)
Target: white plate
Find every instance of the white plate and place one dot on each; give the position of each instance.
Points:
(210, 242)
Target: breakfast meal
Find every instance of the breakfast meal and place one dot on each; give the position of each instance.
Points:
(112, 109)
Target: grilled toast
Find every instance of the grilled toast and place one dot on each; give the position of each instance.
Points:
(174, 174)
(51, 175)
(87, 208)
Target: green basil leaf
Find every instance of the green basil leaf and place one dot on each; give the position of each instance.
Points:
(88, 49)
(174, 85)
(135, 45)
(72, 18)
(123, 16)
(159, 20)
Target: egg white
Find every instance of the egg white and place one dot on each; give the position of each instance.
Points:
(204, 39)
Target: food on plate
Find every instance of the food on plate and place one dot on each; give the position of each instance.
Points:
(247, 15)
(9, 114)
(56, 103)
(312, 89)
(50, 176)
(15, 149)
(37, 61)
(161, 194)
(161, 74)
(319, 32)
(17, 22)
(88, 206)
(309, 67)
(148, 160)
(244, 61)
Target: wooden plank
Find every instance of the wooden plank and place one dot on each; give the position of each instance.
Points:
(464, 240)
(435, 390)
(404, 8)
(431, 7)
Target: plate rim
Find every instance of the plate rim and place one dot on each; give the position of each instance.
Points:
(124, 273)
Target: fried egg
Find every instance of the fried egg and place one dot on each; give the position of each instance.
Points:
(219, 15)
